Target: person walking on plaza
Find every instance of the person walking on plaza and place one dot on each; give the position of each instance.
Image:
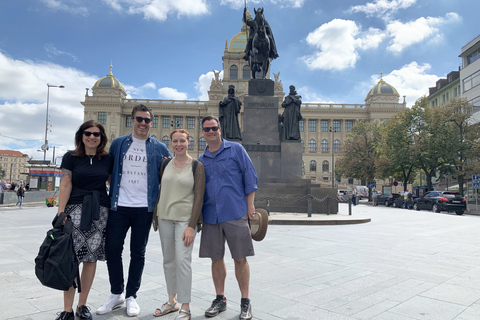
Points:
(374, 197)
(133, 194)
(177, 215)
(20, 195)
(231, 182)
(410, 200)
(83, 196)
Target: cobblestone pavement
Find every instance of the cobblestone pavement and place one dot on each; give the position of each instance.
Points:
(402, 265)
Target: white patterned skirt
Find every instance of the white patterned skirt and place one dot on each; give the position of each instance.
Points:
(89, 245)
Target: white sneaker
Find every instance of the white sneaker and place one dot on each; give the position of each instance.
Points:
(114, 301)
(133, 309)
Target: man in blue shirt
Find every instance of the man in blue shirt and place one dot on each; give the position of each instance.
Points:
(231, 182)
(133, 194)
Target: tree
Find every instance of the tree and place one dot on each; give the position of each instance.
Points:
(360, 151)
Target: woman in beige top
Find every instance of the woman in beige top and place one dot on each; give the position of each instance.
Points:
(178, 213)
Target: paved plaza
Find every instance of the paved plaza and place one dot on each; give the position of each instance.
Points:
(401, 265)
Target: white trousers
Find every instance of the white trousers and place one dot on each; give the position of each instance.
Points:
(177, 259)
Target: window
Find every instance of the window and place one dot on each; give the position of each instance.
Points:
(324, 125)
(312, 145)
(473, 56)
(313, 166)
(325, 166)
(166, 140)
(102, 117)
(191, 144)
(155, 122)
(246, 72)
(336, 125)
(336, 145)
(471, 81)
(303, 145)
(165, 122)
(202, 144)
(233, 72)
(350, 180)
(348, 125)
(324, 145)
(300, 125)
(312, 125)
(178, 122)
(128, 123)
(190, 123)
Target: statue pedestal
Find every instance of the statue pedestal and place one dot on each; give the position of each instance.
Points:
(291, 155)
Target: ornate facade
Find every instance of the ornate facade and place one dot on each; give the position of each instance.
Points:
(109, 105)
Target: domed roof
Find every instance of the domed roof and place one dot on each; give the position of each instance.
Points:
(109, 81)
(382, 88)
(239, 41)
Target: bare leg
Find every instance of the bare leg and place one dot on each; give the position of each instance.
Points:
(88, 273)
(242, 273)
(68, 297)
(219, 273)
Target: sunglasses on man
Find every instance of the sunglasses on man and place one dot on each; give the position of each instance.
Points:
(140, 119)
(89, 133)
(207, 129)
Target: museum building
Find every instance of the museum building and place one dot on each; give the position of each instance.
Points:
(323, 129)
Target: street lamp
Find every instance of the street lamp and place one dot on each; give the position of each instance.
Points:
(332, 129)
(45, 146)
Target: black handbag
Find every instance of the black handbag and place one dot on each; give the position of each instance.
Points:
(56, 265)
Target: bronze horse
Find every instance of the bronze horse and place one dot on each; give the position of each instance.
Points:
(259, 56)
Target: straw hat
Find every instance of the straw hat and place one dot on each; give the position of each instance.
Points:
(259, 224)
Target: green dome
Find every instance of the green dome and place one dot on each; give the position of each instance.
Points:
(382, 88)
(109, 81)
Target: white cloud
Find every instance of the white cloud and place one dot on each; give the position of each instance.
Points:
(203, 84)
(406, 34)
(237, 4)
(382, 8)
(412, 80)
(139, 91)
(57, 5)
(51, 49)
(311, 96)
(167, 93)
(338, 41)
(160, 9)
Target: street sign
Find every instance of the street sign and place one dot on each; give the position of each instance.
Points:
(395, 183)
(474, 177)
(476, 185)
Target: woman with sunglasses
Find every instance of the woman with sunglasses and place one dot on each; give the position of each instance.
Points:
(177, 214)
(83, 196)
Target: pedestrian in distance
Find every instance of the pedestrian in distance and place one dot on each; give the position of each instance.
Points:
(374, 197)
(133, 194)
(177, 215)
(231, 182)
(83, 197)
(20, 195)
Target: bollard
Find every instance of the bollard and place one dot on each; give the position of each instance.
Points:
(328, 206)
(350, 207)
(268, 207)
(309, 205)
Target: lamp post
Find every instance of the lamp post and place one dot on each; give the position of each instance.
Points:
(45, 146)
(332, 129)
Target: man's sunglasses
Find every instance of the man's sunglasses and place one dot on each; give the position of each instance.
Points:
(207, 129)
(140, 119)
(88, 134)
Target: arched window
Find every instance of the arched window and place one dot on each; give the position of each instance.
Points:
(191, 144)
(246, 72)
(324, 145)
(166, 140)
(313, 166)
(336, 145)
(312, 145)
(233, 72)
(325, 166)
(202, 144)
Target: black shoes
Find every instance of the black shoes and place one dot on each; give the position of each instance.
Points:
(64, 315)
(83, 313)
(245, 310)
(218, 305)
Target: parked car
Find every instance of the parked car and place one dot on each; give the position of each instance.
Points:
(401, 203)
(387, 199)
(438, 201)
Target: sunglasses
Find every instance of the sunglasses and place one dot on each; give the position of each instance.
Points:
(207, 129)
(140, 119)
(88, 134)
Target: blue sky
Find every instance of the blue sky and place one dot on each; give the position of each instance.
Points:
(332, 51)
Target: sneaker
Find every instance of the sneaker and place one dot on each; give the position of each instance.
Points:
(246, 311)
(114, 301)
(83, 312)
(218, 305)
(65, 315)
(133, 309)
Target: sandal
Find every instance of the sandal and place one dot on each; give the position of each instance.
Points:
(186, 316)
(163, 309)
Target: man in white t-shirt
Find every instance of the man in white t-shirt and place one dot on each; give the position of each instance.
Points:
(133, 194)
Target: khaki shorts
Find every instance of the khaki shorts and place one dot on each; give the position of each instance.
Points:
(236, 232)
